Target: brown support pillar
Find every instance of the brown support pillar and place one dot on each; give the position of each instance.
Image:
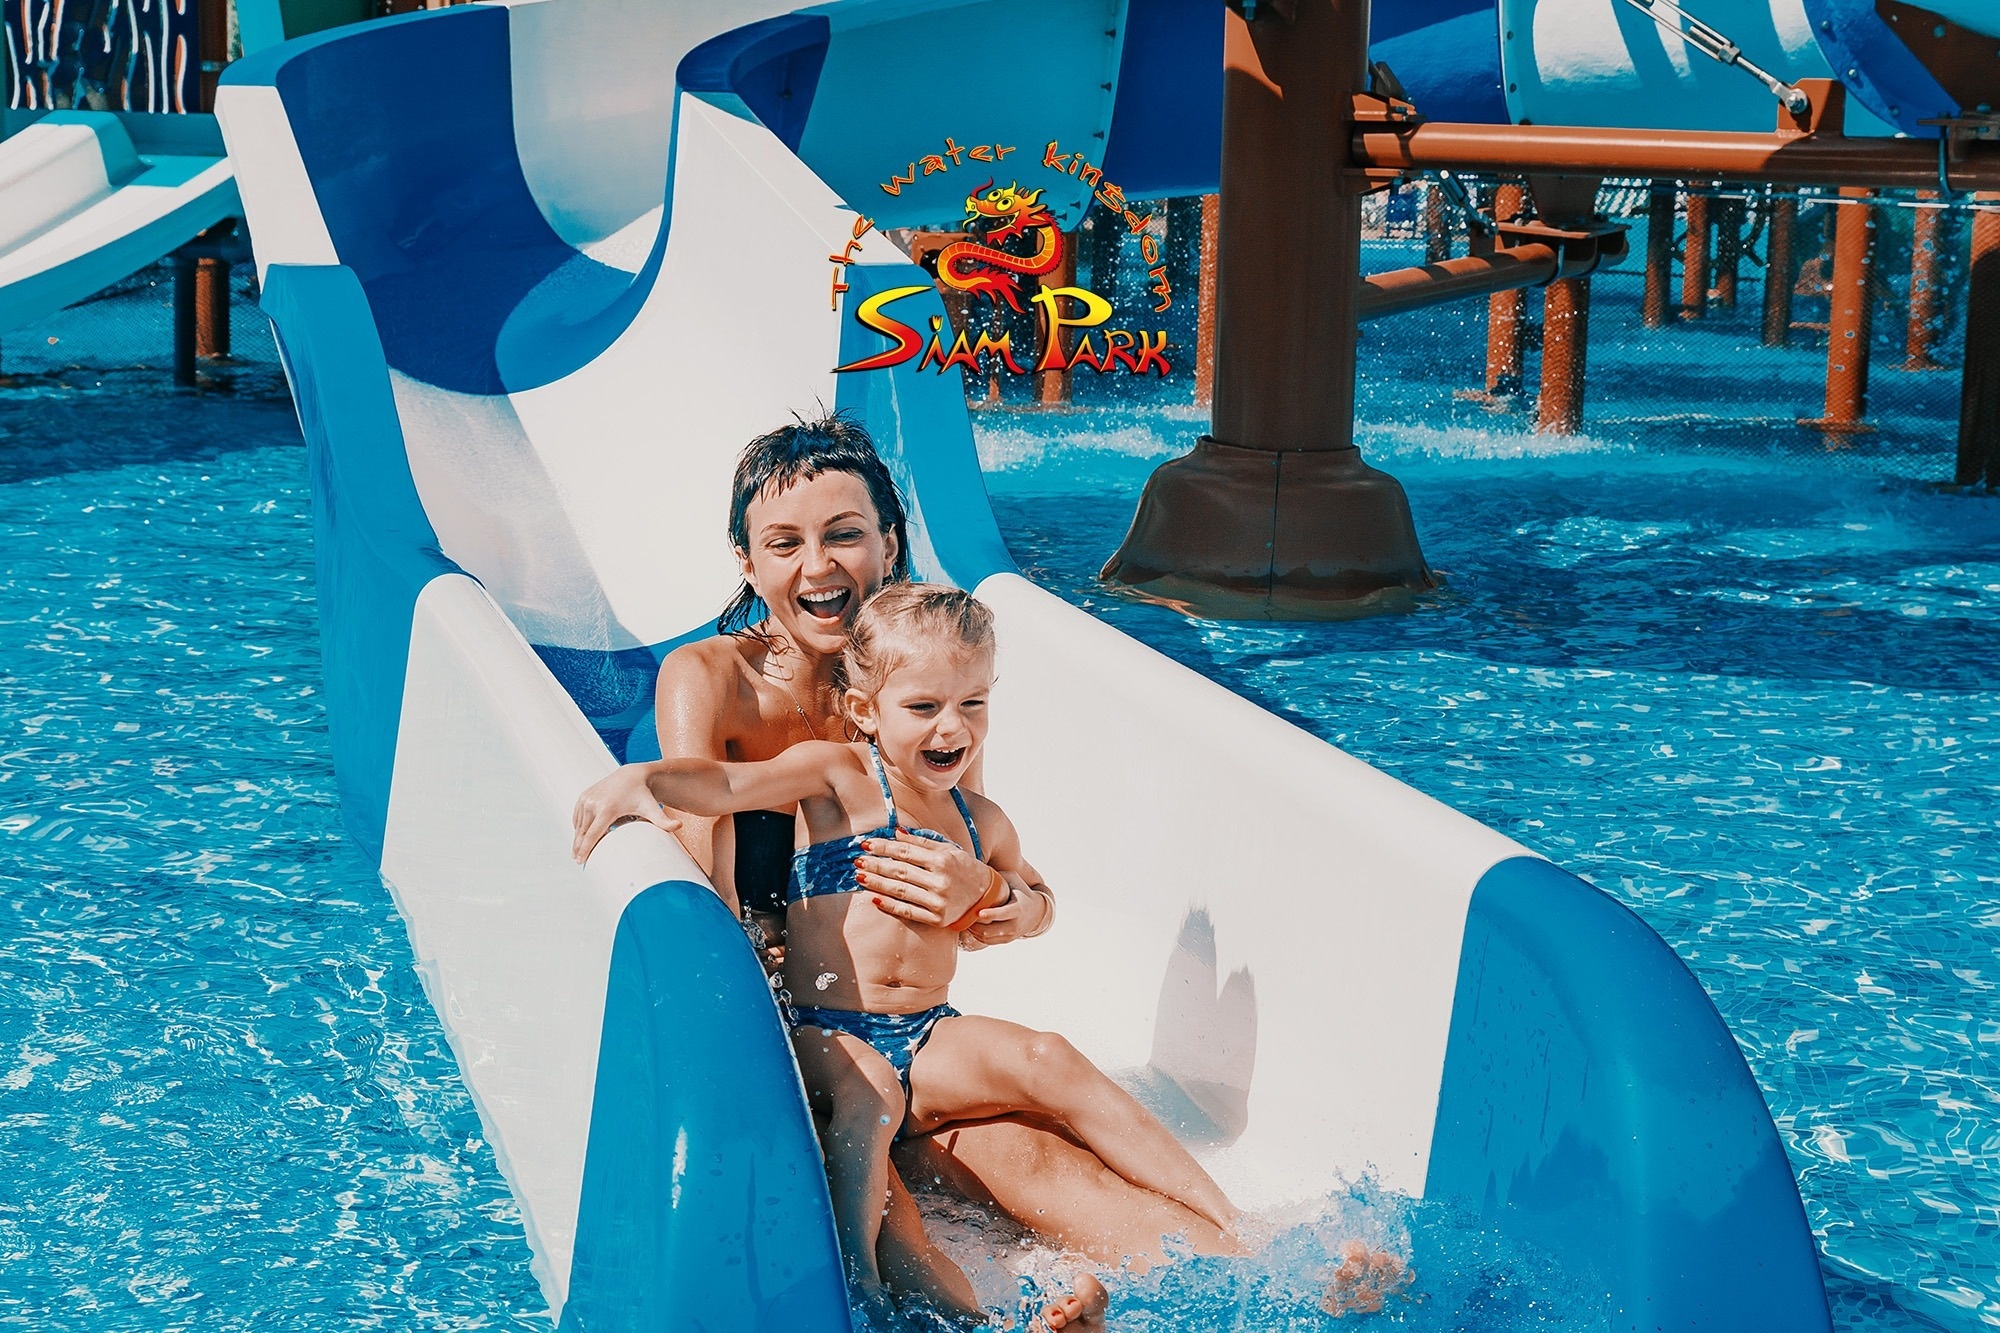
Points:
(1659, 254)
(212, 43)
(1728, 250)
(1274, 514)
(1848, 320)
(211, 307)
(1979, 398)
(1926, 240)
(1565, 339)
(1052, 386)
(1506, 312)
(1437, 225)
(1204, 342)
(1781, 269)
(1694, 256)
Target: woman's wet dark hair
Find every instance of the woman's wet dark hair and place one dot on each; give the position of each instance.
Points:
(799, 452)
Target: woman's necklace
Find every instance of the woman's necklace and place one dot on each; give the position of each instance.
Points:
(798, 706)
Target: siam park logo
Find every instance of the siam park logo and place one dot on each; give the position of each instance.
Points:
(1008, 243)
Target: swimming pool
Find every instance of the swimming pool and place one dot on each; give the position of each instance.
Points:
(1752, 695)
(1754, 699)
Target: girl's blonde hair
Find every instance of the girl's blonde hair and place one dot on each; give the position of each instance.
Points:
(905, 620)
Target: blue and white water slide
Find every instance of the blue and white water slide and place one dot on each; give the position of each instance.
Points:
(90, 197)
(537, 273)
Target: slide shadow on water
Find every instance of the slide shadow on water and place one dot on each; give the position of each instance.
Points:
(47, 429)
(1197, 1079)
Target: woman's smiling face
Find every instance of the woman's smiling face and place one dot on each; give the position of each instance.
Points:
(817, 551)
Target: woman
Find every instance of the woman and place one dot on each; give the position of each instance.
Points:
(817, 527)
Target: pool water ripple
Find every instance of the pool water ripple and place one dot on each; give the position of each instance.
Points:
(224, 1100)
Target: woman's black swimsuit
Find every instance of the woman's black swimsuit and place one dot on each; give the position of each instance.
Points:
(763, 859)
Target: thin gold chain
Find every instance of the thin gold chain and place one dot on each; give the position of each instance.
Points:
(800, 708)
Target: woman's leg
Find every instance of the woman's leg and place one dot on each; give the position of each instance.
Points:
(857, 1089)
(909, 1262)
(976, 1068)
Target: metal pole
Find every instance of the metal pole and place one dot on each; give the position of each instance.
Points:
(211, 307)
(1979, 397)
(1926, 240)
(1848, 318)
(1728, 250)
(1694, 257)
(1781, 270)
(1660, 204)
(1506, 313)
(1565, 339)
(185, 320)
(1204, 346)
(1274, 514)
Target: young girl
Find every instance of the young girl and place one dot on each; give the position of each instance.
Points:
(882, 1051)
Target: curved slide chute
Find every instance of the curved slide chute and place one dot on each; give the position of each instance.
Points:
(90, 197)
(533, 298)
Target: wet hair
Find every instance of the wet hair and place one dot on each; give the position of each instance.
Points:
(906, 620)
(781, 459)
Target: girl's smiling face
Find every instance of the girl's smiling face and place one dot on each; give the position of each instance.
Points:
(817, 551)
(929, 716)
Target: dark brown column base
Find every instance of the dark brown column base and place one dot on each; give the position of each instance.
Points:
(1249, 534)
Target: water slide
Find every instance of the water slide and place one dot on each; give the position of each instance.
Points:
(90, 197)
(533, 295)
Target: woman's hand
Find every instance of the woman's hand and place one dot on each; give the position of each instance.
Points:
(612, 800)
(918, 880)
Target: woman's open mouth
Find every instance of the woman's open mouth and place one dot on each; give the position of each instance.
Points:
(944, 760)
(827, 605)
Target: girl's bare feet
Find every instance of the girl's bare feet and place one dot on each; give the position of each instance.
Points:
(1364, 1280)
(1084, 1305)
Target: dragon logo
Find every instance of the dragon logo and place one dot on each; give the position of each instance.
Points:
(1001, 223)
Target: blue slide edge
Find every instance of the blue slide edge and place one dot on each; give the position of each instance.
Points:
(373, 546)
(1595, 1103)
(702, 1206)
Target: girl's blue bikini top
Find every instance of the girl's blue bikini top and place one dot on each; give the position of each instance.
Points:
(828, 867)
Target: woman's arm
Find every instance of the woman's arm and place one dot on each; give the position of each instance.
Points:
(1026, 907)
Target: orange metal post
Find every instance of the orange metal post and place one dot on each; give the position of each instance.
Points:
(1694, 257)
(1501, 272)
(1565, 339)
(1204, 343)
(1925, 240)
(1781, 270)
(1979, 398)
(211, 307)
(1728, 215)
(1849, 318)
(1660, 206)
(1788, 157)
(1505, 312)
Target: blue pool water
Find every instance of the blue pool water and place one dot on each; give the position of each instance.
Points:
(224, 1100)
(1749, 686)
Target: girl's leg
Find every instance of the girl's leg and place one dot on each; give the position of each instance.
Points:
(974, 1068)
(858, 1091)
